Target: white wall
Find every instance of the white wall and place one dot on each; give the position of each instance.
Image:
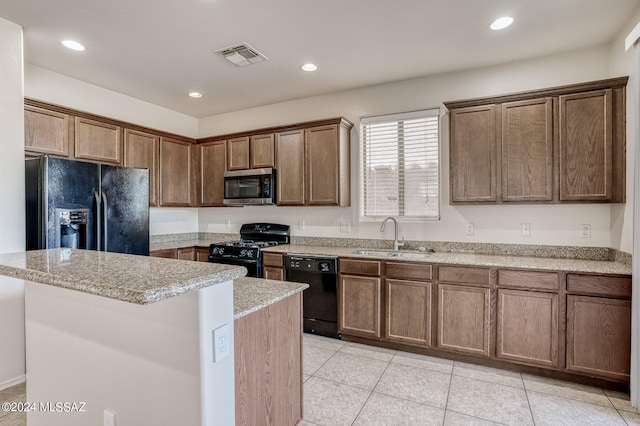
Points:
(12, 364)
(622, 64)
(46, 85)
(550, 224)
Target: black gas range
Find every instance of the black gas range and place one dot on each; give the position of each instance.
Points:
(246, 251)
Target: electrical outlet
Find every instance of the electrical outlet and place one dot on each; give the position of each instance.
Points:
(585, 231)
(227, 224)
(109, 418)
(526, 229)
(221, 343)
(345, 226)
(301, 225)
(471, 230)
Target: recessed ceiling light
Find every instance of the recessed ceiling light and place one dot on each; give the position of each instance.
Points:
(195, 94)
(501, 23)
(308, 67)
(73, 45)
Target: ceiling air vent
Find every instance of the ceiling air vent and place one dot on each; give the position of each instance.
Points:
(241, 55)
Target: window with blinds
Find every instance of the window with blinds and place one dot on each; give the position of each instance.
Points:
(399, 166)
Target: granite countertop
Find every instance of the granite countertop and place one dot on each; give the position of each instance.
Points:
(457, 258)
(136, 279)
(253, 294)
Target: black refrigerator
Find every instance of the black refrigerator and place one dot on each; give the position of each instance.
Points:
(86, 206)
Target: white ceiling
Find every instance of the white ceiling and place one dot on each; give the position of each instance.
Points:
(158, 50)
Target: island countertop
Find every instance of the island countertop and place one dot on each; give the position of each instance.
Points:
(130, 278)
(253, 294)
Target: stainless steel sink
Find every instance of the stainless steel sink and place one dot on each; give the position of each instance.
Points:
(393, 254)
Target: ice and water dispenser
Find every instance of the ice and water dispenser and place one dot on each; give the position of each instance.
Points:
(71, 228)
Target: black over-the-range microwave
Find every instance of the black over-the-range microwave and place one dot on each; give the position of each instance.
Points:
(250, 187)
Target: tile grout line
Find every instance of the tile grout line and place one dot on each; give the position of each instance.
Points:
(526, 394)
(446, 405)
(371, 392)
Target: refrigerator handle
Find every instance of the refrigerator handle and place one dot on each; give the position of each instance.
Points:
(104, 201)
(98, 220)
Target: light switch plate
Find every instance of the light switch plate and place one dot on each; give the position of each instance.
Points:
(585, 230)
(221, 343)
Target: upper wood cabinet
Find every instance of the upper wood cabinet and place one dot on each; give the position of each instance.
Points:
(261, 151)
(176, 180)
(473, 154)
(327, 165)
(238, 153)
(251, 152)
(290, 168)
(141, 149)
(47, 132)
(97, 141)
(562, 144)
(212, 167)
(586, 146)
(527, 150)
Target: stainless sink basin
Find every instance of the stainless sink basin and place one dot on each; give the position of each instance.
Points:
(393, 254)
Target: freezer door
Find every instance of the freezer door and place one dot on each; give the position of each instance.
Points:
(68, 185)
(125, 214)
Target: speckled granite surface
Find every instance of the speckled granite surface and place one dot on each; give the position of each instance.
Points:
(568, 265)
(135, 279)
(253, 294)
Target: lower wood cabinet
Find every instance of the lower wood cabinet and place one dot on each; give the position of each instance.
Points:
(273, 266)
(268, 364)
(408, 312)
(167, 254)
(187, 253)
(527, 329)
(599, 336)
(464, 318)
(360, 305)
(202, 254)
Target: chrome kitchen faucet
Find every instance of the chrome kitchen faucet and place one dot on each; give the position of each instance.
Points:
(396, 244)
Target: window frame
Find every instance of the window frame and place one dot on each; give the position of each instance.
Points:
(386, 118)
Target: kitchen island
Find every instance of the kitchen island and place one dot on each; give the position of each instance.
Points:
(132, 341)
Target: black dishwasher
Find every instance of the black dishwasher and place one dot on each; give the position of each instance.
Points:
(320, 300)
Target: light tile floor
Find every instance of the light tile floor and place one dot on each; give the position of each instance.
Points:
(351, 384)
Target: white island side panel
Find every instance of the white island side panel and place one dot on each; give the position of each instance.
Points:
(145, 363)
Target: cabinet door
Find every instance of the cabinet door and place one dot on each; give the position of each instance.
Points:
(527, 150)
(187, 253)
(599, 336)
(46, 132)
(97, 141)
(271, 273)
(359, 306)
(212, 166)
(167, 254)
(175, 173)
(290, 168)
(463, 318)
(528, 327)
(472, 147)
(238, 154)
(202, 254)
(586, 146)
(408, 313)
(142, 150)
(323, 165)
(261, 151)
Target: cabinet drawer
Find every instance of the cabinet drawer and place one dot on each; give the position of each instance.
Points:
(603, 285)
(359, 267)
(528, 279)
(410, 271)
(463, 274)
(272, 259)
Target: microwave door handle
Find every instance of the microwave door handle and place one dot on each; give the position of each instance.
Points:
(104, 219)
(98, 220)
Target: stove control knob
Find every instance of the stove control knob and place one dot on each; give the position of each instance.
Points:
(324, 267)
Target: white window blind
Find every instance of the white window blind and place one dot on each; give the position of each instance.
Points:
(399, 166)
